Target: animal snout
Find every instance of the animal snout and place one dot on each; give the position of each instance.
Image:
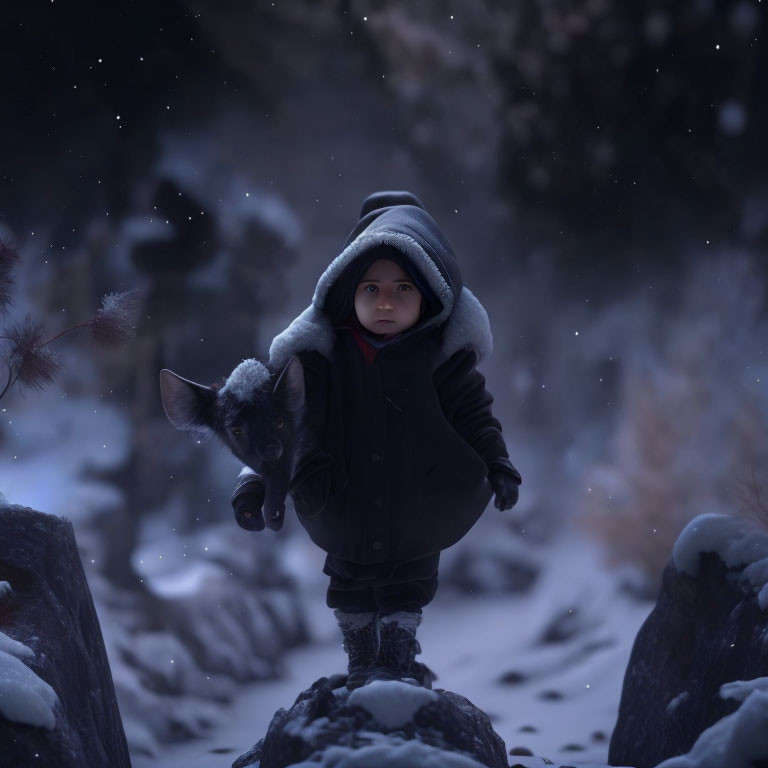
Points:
(273, 452)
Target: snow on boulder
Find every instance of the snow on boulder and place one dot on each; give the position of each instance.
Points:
(57, 700)
(24, 697)
(681, 703)
(739, 740)
(386, 724)
(391, 752)
(391, 704)
(738, 542)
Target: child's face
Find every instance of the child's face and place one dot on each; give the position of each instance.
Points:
(386, 300)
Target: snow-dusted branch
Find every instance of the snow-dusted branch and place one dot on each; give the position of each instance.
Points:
(25, 352)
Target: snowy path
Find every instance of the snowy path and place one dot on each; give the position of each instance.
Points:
(564, 708)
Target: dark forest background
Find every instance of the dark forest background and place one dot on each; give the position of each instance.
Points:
(599, 167)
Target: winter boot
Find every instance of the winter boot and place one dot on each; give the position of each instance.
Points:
(422, 674)
(398, 648)
(361, 642)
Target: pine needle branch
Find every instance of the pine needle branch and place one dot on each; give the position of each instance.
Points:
(31, 364)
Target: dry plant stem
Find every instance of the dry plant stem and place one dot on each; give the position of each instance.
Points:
(67, 330)
(8, 383)
(13, 375)
(750, 493)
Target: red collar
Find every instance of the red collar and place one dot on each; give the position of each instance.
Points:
(368, 351)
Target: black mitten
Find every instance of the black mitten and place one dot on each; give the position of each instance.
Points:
(247, 501)
(506, 487)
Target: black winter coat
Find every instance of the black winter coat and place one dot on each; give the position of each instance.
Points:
(412, 443)
(410, 432)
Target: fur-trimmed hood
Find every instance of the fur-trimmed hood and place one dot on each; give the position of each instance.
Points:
(399, 220)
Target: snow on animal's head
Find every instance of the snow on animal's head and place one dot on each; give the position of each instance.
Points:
(248, 378)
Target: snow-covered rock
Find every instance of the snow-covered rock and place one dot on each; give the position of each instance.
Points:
(684, 699)
(499, 563)
(57, 699)
(385, 724)
(739, 740)
(24, 697)
(180, 651)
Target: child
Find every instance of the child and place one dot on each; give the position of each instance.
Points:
(411, 451)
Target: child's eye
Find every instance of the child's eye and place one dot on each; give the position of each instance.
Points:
(404, 286)
(371, 288)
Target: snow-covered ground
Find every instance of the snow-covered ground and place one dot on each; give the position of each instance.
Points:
(563, 707)
(546, 666)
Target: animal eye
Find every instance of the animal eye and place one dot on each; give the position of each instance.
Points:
(279, 423)
(237, 432)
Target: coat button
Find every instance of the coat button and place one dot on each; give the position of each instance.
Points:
(376, 545)
(375, 457)
(378, 503)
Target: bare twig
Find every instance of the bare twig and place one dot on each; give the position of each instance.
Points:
(749, 489)
(29, 361)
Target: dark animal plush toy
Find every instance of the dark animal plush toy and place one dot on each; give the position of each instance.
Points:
(393, 451)
(258, 415)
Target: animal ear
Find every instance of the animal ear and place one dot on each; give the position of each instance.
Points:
(289, 389)
(187, 405)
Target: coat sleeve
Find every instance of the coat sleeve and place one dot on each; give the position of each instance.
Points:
(466, 404)
(316, 374)
(312, 479)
